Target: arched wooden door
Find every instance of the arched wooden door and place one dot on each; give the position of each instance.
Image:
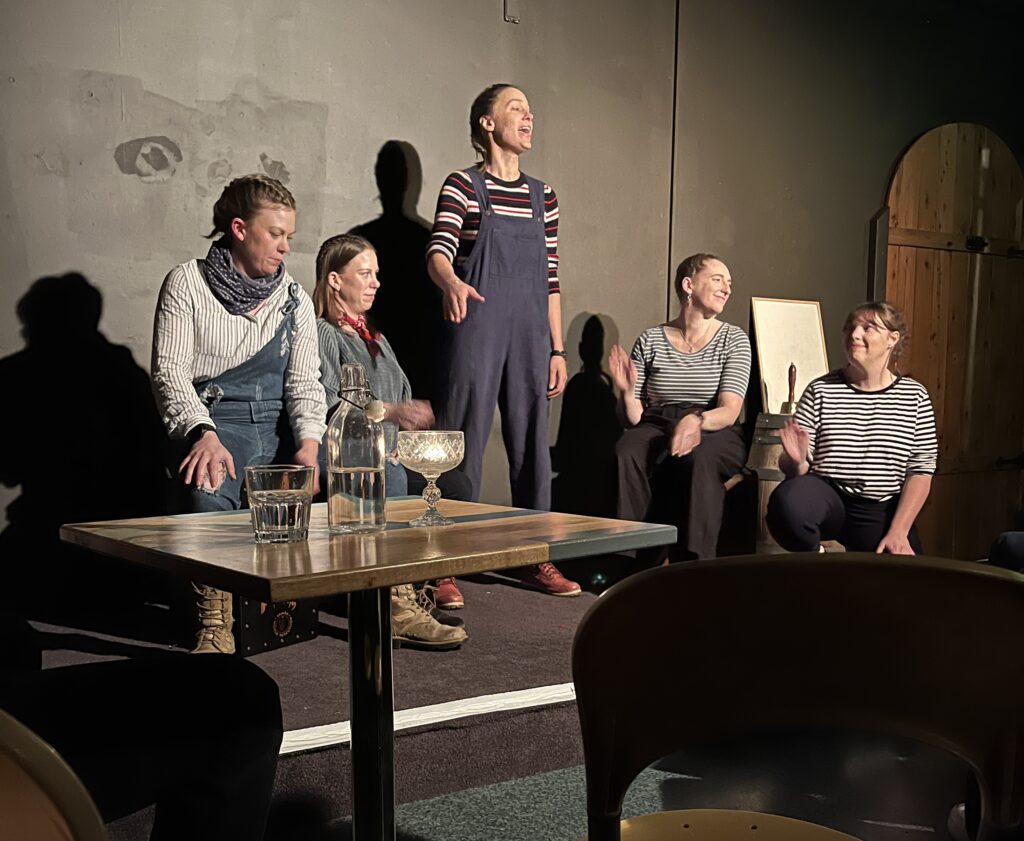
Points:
(955, 265)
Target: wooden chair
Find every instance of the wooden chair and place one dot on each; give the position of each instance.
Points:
(727, 649)
(41, 798)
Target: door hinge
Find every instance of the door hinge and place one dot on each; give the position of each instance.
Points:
(975, 243)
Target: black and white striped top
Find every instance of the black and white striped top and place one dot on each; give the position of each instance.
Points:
(666, 375)
(868, 442)
(196, 339)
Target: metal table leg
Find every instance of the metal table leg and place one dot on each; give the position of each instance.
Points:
(372, 715)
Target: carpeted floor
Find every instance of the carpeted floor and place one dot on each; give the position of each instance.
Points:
(515, 774)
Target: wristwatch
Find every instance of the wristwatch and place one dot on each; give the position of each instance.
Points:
(559, 353)
(197, 432)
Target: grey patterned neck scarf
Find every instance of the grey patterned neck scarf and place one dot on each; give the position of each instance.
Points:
(239, 294)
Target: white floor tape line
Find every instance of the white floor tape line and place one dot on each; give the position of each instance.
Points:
(325, 735)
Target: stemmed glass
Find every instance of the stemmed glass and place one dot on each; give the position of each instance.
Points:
(431, 453)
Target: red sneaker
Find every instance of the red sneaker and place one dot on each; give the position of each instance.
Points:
(447, 594)
(546, 578)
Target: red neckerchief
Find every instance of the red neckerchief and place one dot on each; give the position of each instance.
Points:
(359, 325)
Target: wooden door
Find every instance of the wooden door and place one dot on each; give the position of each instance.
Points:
(955, 266)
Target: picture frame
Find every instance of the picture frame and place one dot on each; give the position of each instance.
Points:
(787, 331)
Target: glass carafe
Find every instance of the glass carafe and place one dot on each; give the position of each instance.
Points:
(355, 460)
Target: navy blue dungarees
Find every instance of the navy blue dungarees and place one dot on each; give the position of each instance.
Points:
(247, 404)
(501, 352)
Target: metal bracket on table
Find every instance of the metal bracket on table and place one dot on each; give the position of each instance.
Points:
(510, 17)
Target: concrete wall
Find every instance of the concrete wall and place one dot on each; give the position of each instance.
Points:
(792, 116)
(122, 121)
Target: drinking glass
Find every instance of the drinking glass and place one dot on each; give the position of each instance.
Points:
(280, 497)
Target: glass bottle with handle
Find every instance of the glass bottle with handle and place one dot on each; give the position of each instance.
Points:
(355, 458)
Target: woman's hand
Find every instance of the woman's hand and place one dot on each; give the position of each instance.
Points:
(412, 414)
(895, 543)
(558, 376)
(622, 370)
(686, 436)
(306, 455)
(207, 463)
(796, 443)
(457, 295)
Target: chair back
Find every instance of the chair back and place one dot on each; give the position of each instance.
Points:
(735, 647)
(41, 798)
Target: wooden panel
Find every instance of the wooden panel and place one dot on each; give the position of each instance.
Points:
(963, 311)
(218, 548)
(944, 240)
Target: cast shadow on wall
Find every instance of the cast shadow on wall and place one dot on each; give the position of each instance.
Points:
(83, 440)
(584, 453)
(407, 309)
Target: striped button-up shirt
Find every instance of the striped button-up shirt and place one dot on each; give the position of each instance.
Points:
(196, 339)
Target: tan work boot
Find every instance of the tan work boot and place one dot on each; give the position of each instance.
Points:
(215, 620)
(413, 626)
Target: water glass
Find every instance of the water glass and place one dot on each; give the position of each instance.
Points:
(280, 498)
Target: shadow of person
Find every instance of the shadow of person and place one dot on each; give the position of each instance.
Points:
(407, 309)
(83, 441)
(584, 452)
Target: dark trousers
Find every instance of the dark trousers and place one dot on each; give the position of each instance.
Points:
(689, 490)
(1007, 551)
(196, 735)
(807, 509)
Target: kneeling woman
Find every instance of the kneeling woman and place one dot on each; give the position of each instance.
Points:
(860, 455)
(346, 285)
(680, 392)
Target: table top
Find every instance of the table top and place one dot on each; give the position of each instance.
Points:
(218, 548)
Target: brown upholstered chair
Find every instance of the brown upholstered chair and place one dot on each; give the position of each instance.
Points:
(728, 649)
(41, 798)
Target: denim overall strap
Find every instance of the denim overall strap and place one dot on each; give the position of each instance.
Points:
(500, 353)
(247, 405)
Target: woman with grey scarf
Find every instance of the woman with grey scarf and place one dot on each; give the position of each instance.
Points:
(236, 365)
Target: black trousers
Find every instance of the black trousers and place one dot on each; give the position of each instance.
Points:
(196, 735)
(1007, 551)
(689, 490)
(807, 509)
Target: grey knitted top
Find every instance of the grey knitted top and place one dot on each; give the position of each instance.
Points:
(386, 377)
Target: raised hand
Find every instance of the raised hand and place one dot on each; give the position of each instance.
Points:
(622, 370)
(796, 443)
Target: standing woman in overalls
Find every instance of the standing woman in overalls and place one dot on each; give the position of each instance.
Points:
(236, 364)
(493, 253)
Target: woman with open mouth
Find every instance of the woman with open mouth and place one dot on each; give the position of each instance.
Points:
(493, 253)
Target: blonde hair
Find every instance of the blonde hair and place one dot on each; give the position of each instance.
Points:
(334, 254)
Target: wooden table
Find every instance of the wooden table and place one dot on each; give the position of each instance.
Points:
(218, 550)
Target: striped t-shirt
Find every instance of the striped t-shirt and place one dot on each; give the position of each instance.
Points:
(666, 375)
(457, 218)
(868, 442)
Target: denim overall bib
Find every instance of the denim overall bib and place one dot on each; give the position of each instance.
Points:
(501, 352)
(247, 404)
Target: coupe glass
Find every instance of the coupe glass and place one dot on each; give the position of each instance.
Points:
(431, 453)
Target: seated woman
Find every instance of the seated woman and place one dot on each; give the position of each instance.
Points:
(346, 283)
(235, 364)
(860, 455)
(681, 391)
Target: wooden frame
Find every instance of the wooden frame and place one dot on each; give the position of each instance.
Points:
(787, 331)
